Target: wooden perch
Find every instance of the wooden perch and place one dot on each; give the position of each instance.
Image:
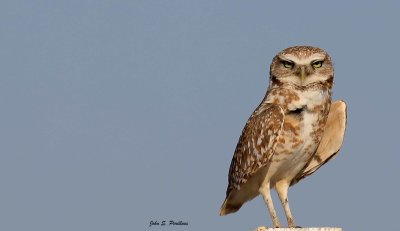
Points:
(263, 228)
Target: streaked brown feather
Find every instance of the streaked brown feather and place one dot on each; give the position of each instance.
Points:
(256, 144)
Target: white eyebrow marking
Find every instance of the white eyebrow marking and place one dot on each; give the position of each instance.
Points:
(302, 61)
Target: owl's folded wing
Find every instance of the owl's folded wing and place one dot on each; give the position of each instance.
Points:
(331, 141)
(254, 150)
(256, 144)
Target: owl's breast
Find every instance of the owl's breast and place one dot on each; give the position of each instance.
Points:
(305, 116)
(299, 139)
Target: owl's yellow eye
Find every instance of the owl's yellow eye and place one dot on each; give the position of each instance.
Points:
(317, 64)
(287, 64)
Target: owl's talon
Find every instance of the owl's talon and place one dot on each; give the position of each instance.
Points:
(261, 228)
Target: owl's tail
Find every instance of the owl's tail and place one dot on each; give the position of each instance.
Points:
(228, 207)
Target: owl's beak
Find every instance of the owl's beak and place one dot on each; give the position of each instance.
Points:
(303, 74)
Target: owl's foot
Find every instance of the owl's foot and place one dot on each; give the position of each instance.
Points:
(261, 228)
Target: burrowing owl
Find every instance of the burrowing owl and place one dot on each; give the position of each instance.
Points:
(294, 131)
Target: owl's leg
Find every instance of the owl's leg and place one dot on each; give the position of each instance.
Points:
(266, 193)
(282, 189)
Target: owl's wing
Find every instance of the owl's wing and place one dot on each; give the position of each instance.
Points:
(331, 141)
(256, 144)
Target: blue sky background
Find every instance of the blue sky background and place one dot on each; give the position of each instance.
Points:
(116, 113)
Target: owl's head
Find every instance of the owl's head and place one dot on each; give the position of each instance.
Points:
(302, 66)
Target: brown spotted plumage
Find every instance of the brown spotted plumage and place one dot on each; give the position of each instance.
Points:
(294, 131)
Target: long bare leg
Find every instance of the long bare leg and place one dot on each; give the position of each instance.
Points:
(282, 189)
(266, 193)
